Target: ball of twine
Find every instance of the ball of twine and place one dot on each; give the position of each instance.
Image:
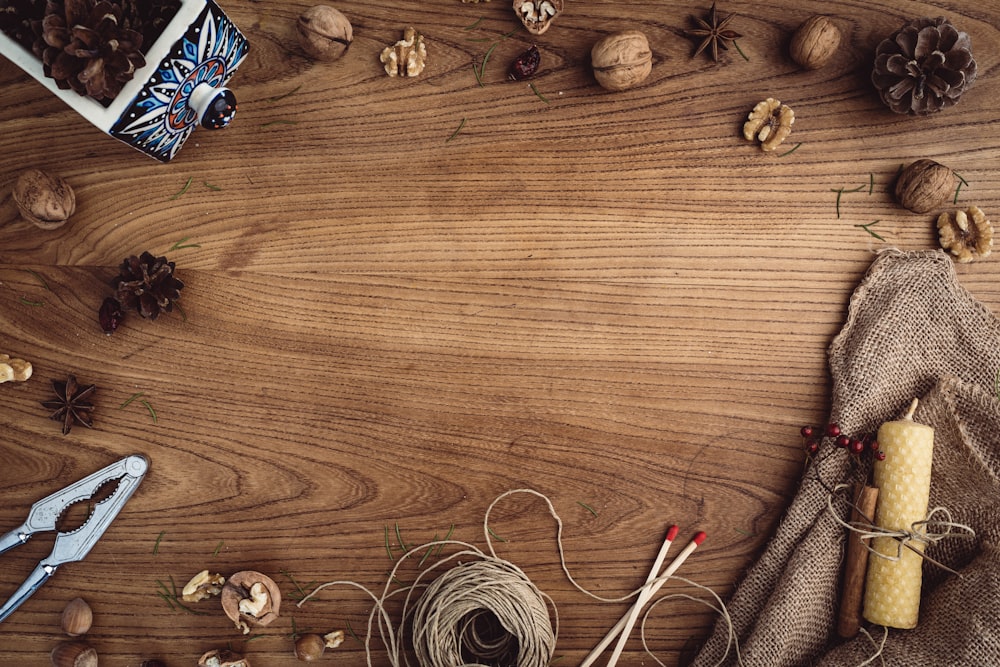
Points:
(484, 613)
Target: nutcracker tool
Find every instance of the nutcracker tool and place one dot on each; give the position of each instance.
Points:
(73, 545)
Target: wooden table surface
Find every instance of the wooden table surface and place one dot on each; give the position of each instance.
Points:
(404, 298)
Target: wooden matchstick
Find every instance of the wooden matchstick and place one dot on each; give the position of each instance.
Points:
(644, 597)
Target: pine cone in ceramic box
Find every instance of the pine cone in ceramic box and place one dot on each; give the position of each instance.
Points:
(147, 72)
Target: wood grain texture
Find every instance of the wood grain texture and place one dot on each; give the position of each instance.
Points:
(611, 298)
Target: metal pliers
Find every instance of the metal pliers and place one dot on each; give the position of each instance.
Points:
(73, 545)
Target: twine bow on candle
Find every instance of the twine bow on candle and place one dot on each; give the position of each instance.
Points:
(924, 532)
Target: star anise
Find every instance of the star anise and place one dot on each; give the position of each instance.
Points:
(69, 406)
(713, 32)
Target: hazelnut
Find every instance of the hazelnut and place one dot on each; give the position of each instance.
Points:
(309, 647)
(77, 617)
(250, 598)
(324, 32)
(73, 654)
(815, 42)
(43, 199)
(925, 185)
(621, 60)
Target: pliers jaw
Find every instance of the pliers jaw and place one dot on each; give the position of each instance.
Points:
(76, 544)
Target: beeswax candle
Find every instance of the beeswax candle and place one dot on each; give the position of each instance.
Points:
(892, 595)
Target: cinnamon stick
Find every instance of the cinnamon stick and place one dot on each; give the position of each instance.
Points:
(856, 564)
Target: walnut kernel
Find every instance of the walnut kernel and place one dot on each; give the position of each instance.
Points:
(43, 199)
(621, 60)
(202, 585)
(324, 32)
(537, 15)
(967, 235)
(222, 658)
(770, 122)
(925, 185)
(406, 57)
(815, 42)
(17, 370)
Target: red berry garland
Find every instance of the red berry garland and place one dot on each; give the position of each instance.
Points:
(857, 447)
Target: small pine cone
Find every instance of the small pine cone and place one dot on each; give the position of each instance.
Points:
(147, 284)
(924, 67)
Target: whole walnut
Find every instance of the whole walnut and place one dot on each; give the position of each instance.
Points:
(324, 32)
(621, 60)
(815, 42)
(44, 199)
(925, 185)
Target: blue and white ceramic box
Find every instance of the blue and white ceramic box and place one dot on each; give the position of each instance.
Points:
(181, 86)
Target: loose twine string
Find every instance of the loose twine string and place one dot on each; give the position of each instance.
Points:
(919, 532)
(486, 608)
(879, 646)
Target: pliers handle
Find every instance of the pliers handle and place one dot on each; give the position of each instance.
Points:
(76, 544)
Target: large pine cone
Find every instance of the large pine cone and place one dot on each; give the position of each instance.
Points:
(16, 17)
(924, 66)
(88, 46)
(154, 16)
(147, 283)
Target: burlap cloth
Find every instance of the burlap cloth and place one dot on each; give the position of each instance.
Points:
(911, 331)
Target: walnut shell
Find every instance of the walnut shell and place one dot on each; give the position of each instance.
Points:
(925, 185)
(43, 199)
(324, 32)
(537, 15)
(246, 609)
(815, 42)
(621, 60)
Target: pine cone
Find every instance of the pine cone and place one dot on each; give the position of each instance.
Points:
(16, 17)
(153, 18)
(147, 284)
(88, 46)
(924, 66)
